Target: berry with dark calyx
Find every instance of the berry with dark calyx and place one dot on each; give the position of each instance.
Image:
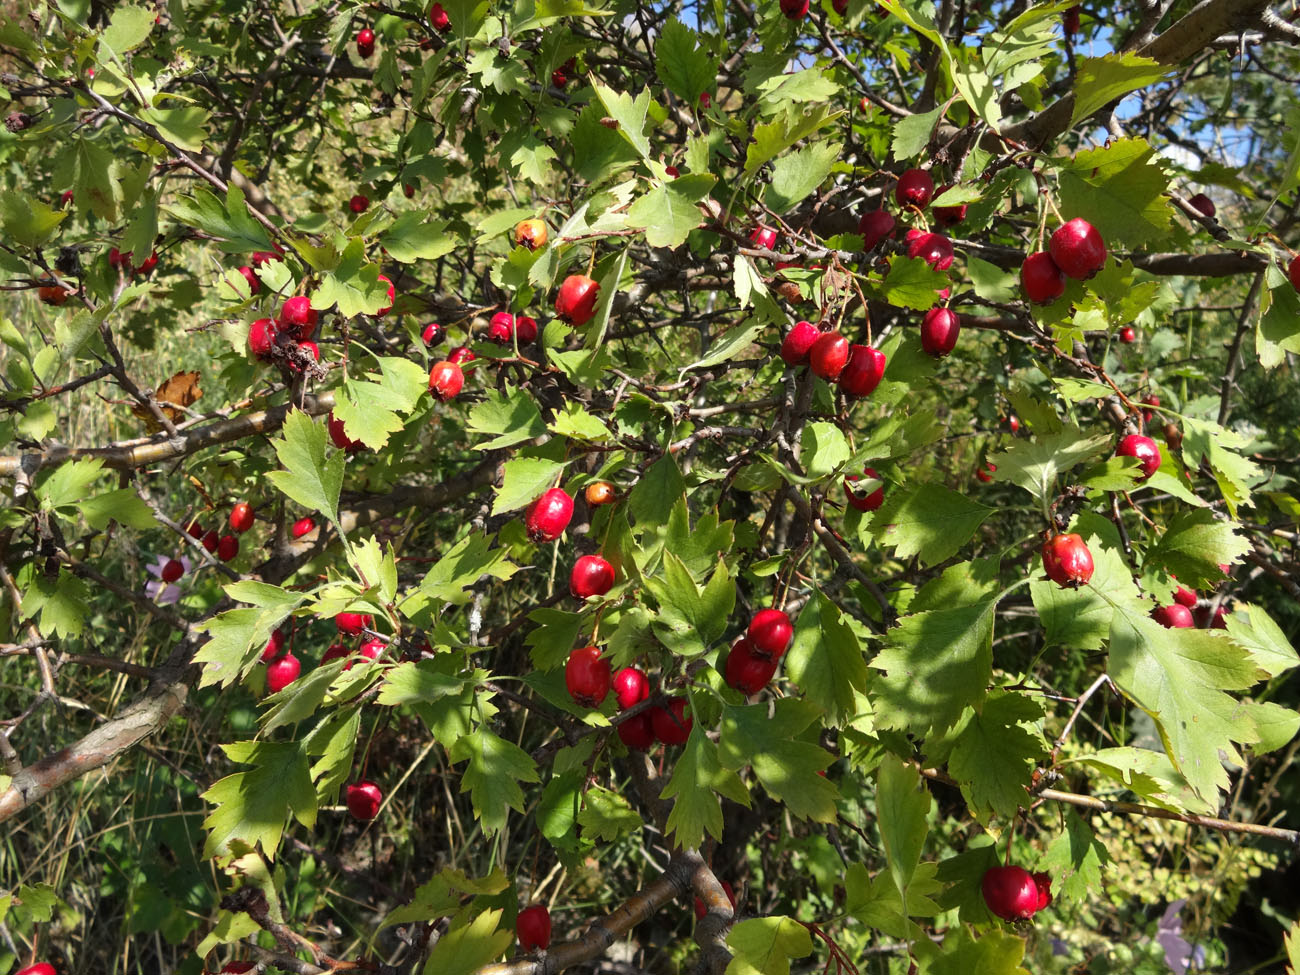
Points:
(934, 249)
(747, 671)
(172, 570)
(1218, 621)
(392, 296)
(501, 328)
(363, 800)
(211, 541)
(249, 275)
(446, 379)
(600, 492)
(795, 9)
(359, 203)
(700, 909)
(915, 189)
(52, 294)
(1127, 335)
(764, 237)
(353, 623)
(1185, 597)
(261, 337)
(460, 355)
(770, 631)
(194, 529)
(227, 548)
(531, 233)
(408, 190)
(939, 330)
(339, 437)
(559, 79)
(797, 342)
(672, 725)
(1144, 449)
(948, 216)
(365, 42)
(1293, 272)
(275, 643)
(45, 968)
(591, 576)
(863, 372)
(1204, 205)
(1175, 616)
(1040, 278)
(637, 732)
(548, 516)
(438, 19)
(525, 330)
(433, 334)
(1070, 21)
(875, 227)
(1067, 561)
(533, 928)
(869, 501)
(828, 355)
(282, 672)
(1078, 249)
(672, 171)
(631, 687)
(575, 302)
(587, 677)
(1043, 881)
(1010, 892)
(298, 318)
(306, 348)
(985, 473)
(301, 527)
(242, 517)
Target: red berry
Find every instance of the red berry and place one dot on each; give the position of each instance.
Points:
(1185, 597)
(353, 623)
(254, 283)
(795, 9)
(575, 302)
(548, 516)
(211, 541)
(301, 527)
(915, 188)
(1013, 423)
(501, 328)
(172, 571)
(234, 967)
(1041, 279)
(227, 548)
(264, 257)
(764, 237)
(1175, 616)
(40, 968)
(241, 517)
(149, 264)
(392, 296)
(261, 337)
(1043, 882)
(1293, 272)
(939, 330)
(705, 99)
(671, 724)
(1127, 335)
(533, 927)
(949, 216)
(1070, 21)
(446, 379)
(631, 687)
(525, 330)
(1144, 449)
(637, 732)
(533, 233)
(828, 355)
(672, 171)
(358, 203)
(298, 318)
(934, 249)
(863, 372)
(275, 644)
(700, 909)
(433, 334)
(591, 576)
(365, 41)
(460, 355)
(875, 226)
(194, 529)
(363, 800)
(336, 651)
(867, 502)
(587, 677)
(747, 671)
(985, 473)
(340, 438)
(1010, 892)
(1077, 249)
(282, 672)
(771, 632)
(439, 19)
(1067, 561)
(797, 342)
(1203, 204)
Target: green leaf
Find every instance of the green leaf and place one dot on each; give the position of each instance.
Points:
(1035, 464)
(511, 415)
(1149, 775)
(61, 603)
(826, 661)
(607, 816)
(525, 480)
(123, 506)
(690, 619)
(991, 282)
(1194, 544)
(229, 220)
(411, 238)
(463, 565)
(937, 662)
(698, 779)
(1099, 81)
(773, 138)
(682, 64)
(996, 952)
(185, 127)
(423, 681)
(1121, 191)
(492, 777)
(928, 521)
(902, 804)
(629, 113)
(912, 133)
(308, 478)
(127, 29)
(575, 422)
(354, 285)
(1252, 628)
(912, 283)
(251, 807)
(768, 741)
(798, 173)
(68, 484)
(1081, 618)
(466, 949)
(765, 945)
(1074, 859)
(669, 211)
(995, 754)
(825, 449)
(27, 222)
(1204, 441)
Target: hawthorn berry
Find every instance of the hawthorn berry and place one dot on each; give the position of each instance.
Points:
(227, 548)
(353, 623)
(587, 676)
(1078, 249)
(548, 516)
(915, 189)
(591, 576)
(939, 330)
(533, 928)
(1067, 561)
(828, 355)
(1175, 616)
(1009, 892)
(631, 687)
(875, 227)
(446, 379)
(1144, 449)
(301, 527)
(1040, 278)
(672, 726)
(863, 371)
(575, 302)
(363, 800)
(746, 670)
(797, 342)
(242, 517)
(172, 570)
(864, 502)
(770, 631)
(282, 672)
